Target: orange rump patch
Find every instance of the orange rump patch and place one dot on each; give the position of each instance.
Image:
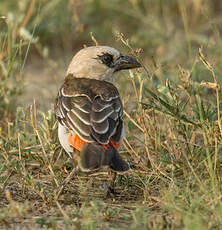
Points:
(76, 142)
(114, 144)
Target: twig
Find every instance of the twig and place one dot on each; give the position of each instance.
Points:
(66, 217)
(210, 68)
(29, 13)
(131, 119)
(65, 182)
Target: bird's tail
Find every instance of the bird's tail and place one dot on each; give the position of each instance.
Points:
(93, 156)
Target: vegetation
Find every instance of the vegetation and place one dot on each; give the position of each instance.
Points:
(172, 115)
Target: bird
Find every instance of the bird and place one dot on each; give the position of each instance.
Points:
(89, 109)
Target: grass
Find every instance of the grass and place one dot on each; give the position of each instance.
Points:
(172, 118)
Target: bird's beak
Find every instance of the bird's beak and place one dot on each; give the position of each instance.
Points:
(126, 62)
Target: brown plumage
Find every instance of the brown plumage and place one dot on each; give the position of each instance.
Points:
(89, 109)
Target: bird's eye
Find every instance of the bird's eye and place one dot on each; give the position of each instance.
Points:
(107, 59)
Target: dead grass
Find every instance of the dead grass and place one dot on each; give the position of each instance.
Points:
(172, 119)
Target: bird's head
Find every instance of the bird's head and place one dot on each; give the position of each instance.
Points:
(100, 62)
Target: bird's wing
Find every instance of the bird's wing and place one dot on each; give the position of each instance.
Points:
(90, 108)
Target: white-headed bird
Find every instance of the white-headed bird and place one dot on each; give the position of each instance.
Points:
(89, 108)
